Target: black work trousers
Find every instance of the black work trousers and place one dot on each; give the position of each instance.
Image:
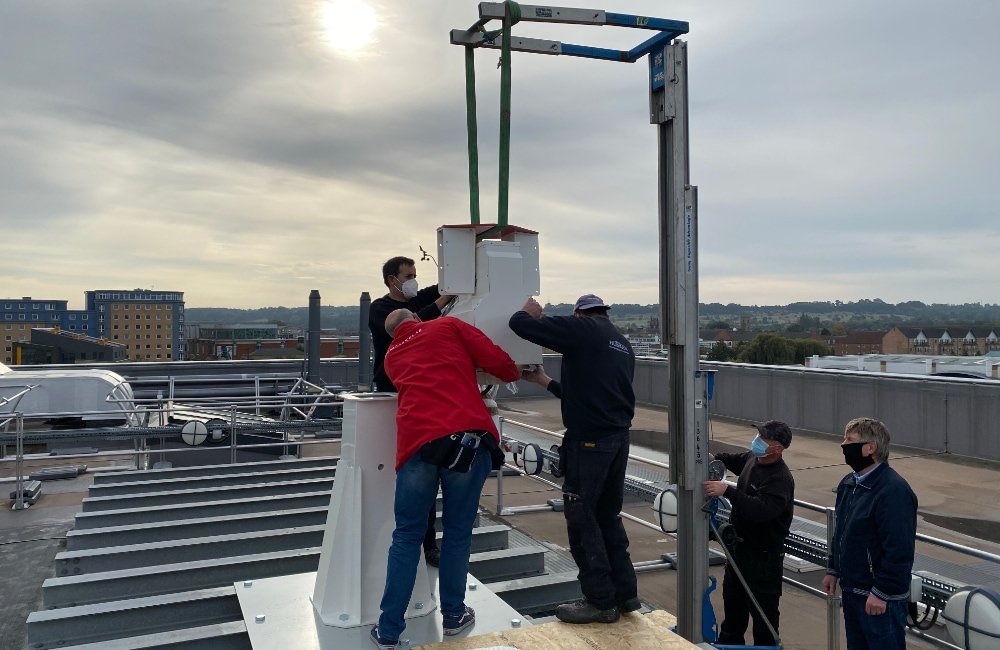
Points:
(593, 491)
(762, 570)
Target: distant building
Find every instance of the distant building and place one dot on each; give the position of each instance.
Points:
(859, 343)
(708, 338)
(973, 367)
(645, 344)
(149, 323)
(203, 349)
(18, 316)
(53, 345)
(945, 341)
(239, 332)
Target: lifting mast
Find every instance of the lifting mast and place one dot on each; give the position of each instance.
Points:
(678, 247)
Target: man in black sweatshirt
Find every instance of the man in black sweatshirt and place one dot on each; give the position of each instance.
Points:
(597, 407)
(399, 274)
(762, 505)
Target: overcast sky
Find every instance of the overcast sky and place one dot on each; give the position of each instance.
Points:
(247, 152)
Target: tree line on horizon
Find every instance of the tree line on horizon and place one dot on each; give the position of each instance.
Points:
(835, 316)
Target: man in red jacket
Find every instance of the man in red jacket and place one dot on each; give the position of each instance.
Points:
(443, 434)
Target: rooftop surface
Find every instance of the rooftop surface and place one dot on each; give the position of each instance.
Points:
(959, 501)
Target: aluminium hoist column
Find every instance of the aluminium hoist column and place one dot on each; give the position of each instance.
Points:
(678, 240)
(687, 402)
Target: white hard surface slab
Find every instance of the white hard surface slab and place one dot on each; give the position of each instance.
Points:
(290, 621)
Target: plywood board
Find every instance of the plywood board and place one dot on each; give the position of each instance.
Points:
(634, 631)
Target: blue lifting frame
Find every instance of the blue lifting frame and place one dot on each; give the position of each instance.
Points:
(477, 35)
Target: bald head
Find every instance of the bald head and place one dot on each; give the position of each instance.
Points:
(397, 317)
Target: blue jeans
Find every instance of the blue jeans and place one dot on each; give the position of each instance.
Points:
(865, 632)
(416, 489)
(593, 491)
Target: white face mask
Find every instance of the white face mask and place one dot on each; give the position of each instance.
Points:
(409, 288)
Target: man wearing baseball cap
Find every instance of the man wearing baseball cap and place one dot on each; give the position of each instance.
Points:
(597, 407)
(762, 505)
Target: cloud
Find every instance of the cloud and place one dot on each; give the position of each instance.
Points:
(843, 150)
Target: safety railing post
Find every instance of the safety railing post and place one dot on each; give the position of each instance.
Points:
(232, 435)
(833, 603)
(500, 473)
(160, 421)
(139, 447)
(19, 461)
(256, 390)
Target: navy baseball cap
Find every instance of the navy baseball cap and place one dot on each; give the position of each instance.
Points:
(775, 430)
(589, 301)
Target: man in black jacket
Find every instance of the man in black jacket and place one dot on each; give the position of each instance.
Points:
(597, 408)
(874, 541)
(400, 275)
(762, 505)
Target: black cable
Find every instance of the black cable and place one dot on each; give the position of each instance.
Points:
(922, 623)
(746, 587)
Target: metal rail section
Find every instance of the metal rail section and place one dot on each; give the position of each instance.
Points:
(237, 414)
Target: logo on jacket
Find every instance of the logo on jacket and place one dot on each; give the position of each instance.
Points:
(618, 346)
(398, 344)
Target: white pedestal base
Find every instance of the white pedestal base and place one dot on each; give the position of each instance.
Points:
(290, 620)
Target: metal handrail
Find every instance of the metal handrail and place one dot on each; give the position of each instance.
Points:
(647, 461)
(302, 393)
(18, 395)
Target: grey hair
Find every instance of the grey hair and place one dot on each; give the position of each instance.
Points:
(871, 430)
(393, 320)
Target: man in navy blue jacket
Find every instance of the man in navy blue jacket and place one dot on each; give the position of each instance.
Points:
(873, 544)
(597, 407)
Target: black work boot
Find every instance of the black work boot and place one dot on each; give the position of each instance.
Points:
(629, 605)
(582, 611)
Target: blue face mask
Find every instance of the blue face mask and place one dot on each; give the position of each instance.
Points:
(758, 447)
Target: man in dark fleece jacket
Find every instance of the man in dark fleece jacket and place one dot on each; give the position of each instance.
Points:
(874, 541)
(399, 274)
(597, 408)
(762, 504)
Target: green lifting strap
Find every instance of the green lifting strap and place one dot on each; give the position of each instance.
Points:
(512, 15)
(473, 132)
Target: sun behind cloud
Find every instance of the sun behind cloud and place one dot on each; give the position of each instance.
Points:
(349, 25)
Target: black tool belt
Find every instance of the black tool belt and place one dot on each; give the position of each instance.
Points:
(456, 451)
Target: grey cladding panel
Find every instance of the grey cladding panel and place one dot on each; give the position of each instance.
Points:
(819, 406)
(978, 425)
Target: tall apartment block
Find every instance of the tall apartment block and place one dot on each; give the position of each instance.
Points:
(149, 323)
